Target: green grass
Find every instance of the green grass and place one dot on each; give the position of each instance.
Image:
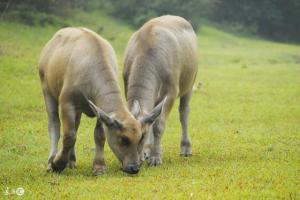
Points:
(244, 124)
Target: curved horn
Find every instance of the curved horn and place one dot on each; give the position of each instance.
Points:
(152, 116)
(104, 117)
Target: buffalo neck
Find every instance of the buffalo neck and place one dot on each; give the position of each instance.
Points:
(108, 93)
(143, 85)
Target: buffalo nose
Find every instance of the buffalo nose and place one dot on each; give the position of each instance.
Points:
(131, 169)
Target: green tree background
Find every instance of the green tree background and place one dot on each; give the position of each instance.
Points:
(275, 19)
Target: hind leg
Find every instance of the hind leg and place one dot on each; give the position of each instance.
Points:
(184, 111)
(72, 156)
(53, 125)
(68, 116)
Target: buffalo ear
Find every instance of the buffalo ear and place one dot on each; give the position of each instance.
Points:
(154, 114)
(136, 109)
(104, 117)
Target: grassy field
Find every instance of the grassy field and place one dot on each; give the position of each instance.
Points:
(244, 124)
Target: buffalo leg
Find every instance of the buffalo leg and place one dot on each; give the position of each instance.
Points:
(184, 111)
(68, 115)
(53, 125)
(158, 129)
(72, 155)
(99, 166)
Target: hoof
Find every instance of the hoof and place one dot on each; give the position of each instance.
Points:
(186, 150)
(49, 168)
(58, 166)
(146, 152)
(99, 170)
(154, 161)
(50, 160)
(146, 155)
(186, 154)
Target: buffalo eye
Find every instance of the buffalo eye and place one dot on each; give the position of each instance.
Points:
(125, 141)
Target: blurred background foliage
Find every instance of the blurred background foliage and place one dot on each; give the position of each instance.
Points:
(273, 19)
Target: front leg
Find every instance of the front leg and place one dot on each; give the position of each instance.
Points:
(148, 145)
(155, 153)
(158, 130)
(99, 166)
(72, 156)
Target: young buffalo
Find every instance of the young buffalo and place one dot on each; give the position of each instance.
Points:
(161, 63)
(78, 72)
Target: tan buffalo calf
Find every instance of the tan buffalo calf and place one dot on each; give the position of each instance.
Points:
(161, 62)
(78, 72)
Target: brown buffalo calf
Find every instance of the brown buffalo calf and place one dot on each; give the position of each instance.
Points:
(78, 72)
(161, 62)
